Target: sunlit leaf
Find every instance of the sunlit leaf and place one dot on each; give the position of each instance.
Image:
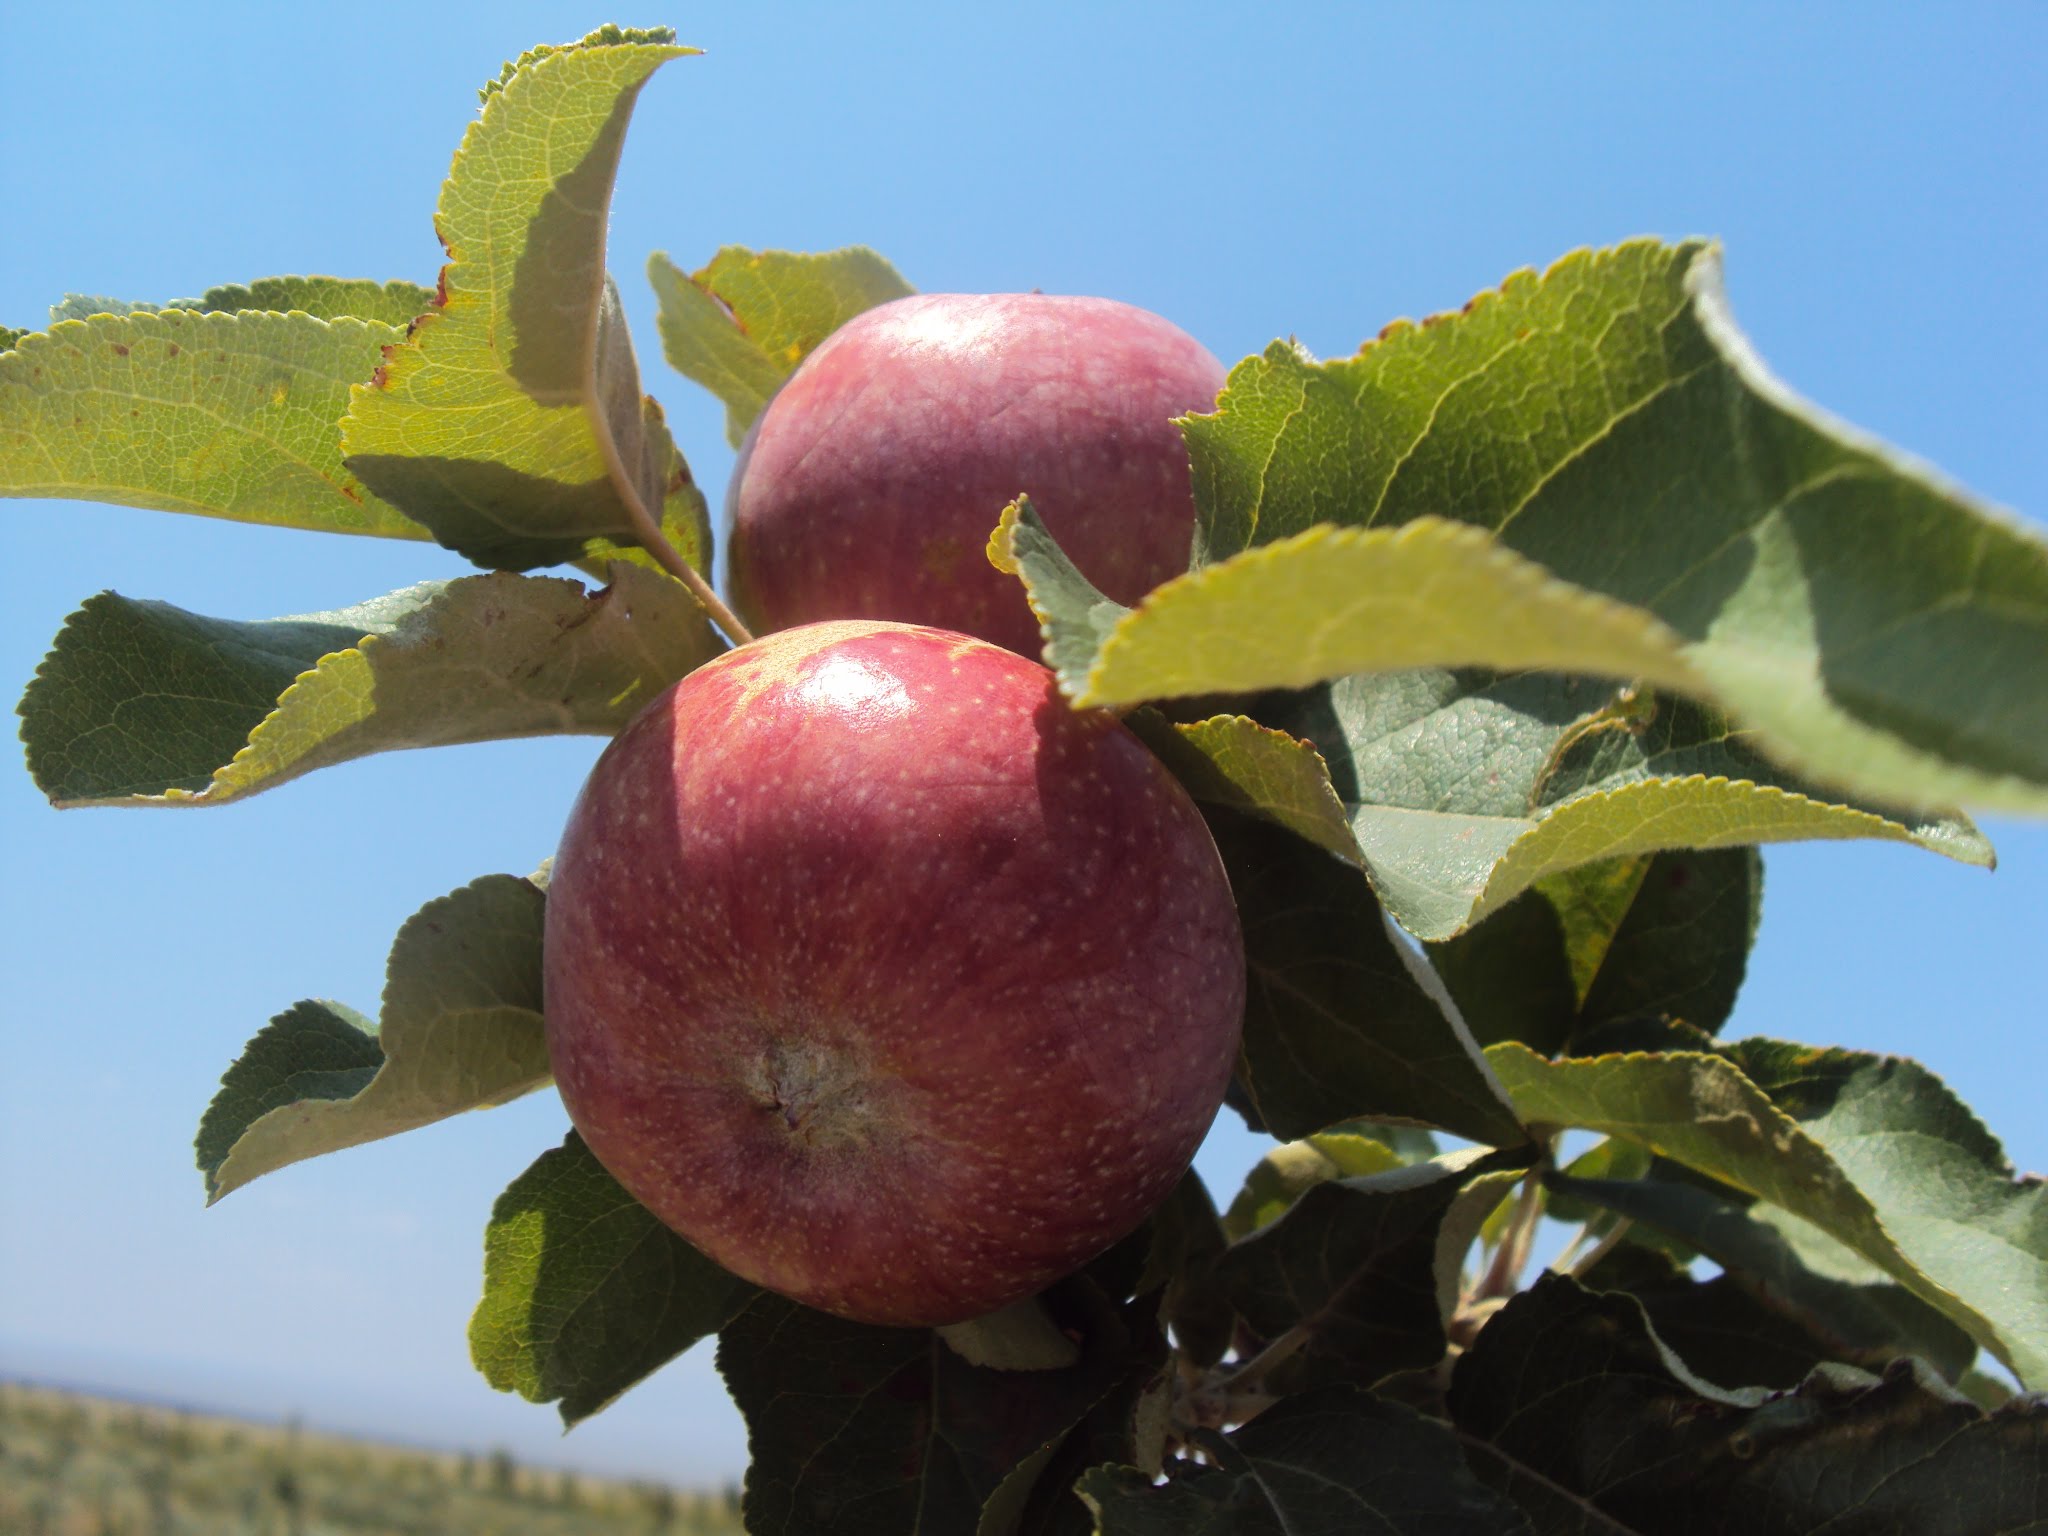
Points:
(1634, 496)
(741, 325)
(222, 415)
(1236, 763)
(511, 420)
(395, 303)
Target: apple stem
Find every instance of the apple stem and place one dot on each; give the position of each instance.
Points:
(647, 529)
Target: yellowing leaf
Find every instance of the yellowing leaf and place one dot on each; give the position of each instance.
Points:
(741, 325)
(217, 414)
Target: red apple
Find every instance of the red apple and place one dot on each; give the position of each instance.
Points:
(869, 484)
(889, 980)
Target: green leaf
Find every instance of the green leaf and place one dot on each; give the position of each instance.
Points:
(1872, 1150)
(1073, 614)
(1331, 1460)
(10, 337)
(1352, 1271)
(610, 35)
(1876, 627)
(1236, 763)
(511, 421)
(1464, 789)
(855, 1429)
(741, 325)
(1287, 1172)
(1569, 1396)
(1848, 1308)
(144, 703)
(221, 415)
(1342, 1020)
(1660, 934)
(461, 1030)
(586, 1293)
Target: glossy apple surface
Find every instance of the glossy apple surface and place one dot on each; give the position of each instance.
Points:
(889, 980)
(870, 483)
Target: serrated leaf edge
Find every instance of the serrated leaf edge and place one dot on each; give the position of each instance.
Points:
(1505, 882)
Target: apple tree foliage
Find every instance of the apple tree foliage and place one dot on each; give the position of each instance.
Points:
(1504, 644)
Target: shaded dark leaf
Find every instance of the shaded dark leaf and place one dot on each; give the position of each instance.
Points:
(1867, 1321)
(1328, 1461)
(1341, 1021)
(1572, 1391)
(855, 1429)
(1353, 1266)
(585, 1292)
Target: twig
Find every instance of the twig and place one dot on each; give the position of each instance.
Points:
(1504, 1276)
(1583, 1266)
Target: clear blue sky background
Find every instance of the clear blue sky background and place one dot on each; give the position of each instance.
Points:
(1875, 170)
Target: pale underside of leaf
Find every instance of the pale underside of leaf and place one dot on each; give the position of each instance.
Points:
(1440, 868)
(143, 704)
(1498, 858)
(461, 1029)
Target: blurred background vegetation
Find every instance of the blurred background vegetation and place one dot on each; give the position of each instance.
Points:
(72, 1465)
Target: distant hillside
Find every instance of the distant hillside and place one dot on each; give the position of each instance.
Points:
(73, 1465)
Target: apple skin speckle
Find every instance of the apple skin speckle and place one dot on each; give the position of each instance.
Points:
(868, 486)
(899, 1009)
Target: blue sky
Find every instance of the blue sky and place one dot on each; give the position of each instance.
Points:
(1316, 170)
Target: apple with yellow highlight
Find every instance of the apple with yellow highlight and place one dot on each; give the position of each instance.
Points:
(885, 977)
